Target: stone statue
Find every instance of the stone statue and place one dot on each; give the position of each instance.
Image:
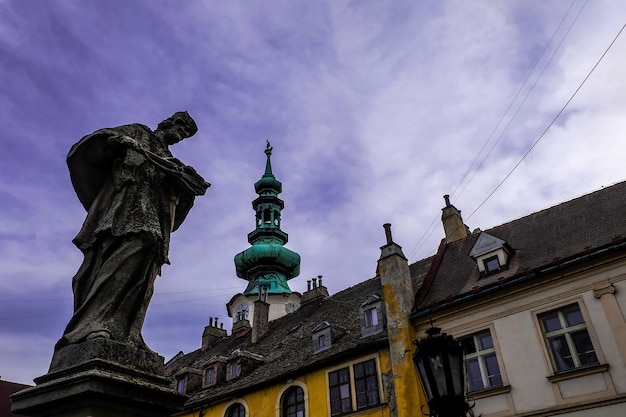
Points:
(135, 193)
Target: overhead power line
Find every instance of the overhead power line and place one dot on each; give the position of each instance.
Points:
(551, 123)
(431, 228)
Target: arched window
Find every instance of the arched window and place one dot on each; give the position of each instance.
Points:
(293, 402)
(236, 410)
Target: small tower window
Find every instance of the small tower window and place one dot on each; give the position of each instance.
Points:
(241, 312)
(267, 219)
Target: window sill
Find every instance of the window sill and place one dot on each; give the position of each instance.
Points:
(577, 372)
(488, 392)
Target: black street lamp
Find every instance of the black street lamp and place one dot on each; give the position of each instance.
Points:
(439, 363)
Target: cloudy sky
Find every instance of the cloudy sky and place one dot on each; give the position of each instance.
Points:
(375, 110)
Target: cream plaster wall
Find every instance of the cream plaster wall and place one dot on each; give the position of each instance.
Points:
(526, 365)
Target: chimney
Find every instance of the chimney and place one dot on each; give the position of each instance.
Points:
(315, 293)
(212, 333)
(452, 221)
(261, 319)
(399, 299)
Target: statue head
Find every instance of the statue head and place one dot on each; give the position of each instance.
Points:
(177, 127)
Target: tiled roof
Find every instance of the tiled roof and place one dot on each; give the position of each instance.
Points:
(581, 227)
(287, 348)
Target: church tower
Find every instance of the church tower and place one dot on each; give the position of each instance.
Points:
(267, 264)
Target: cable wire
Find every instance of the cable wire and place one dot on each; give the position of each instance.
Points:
(550, 124)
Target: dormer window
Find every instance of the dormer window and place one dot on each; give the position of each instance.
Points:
(239, 363)
(491, 254)
(210, 377)
(214, 371)
(324, 335)
(371, 316)
(321, 341)
(492, 264)
(188, 379)
(180, 384)
(233, 369)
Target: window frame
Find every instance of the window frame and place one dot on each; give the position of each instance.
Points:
(321, 342)
(242, 312)
(486, 261)
(234, 364)
(366, 379)
(372, 317)
(352, 385)
(480, 354)
(285, 397)
(230, 409)
(339, 388)
(207, 371)
(551, 361)
(181, 384)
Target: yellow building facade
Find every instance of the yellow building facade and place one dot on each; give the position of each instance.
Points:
(304, 355)
(333, 356)
(274, 400)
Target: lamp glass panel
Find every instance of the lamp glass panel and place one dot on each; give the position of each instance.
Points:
(437, 367)
(456, 368)
(424, 378)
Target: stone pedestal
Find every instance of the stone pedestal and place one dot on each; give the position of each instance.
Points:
(100, 378)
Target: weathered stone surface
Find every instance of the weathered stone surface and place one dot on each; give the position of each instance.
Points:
(135, 193)
(98, 389)
(109, 351)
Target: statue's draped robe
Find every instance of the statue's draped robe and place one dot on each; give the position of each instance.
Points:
(133, 205)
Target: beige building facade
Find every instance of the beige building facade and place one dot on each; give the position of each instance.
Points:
(538, 304)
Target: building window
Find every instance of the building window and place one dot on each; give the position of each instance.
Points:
(321, 341)
(371, 317)
(233, 370)
(180, 384)
(339, 387)
(366, 384)
(293, 402)
(481, 362)
(209, 376)
(323, 336)
(567, 338)
(492, 264)
(242, 312)
(236, 410)
(346, 396)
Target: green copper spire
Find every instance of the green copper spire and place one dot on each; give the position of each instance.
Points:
(268, 185)
(267, 263)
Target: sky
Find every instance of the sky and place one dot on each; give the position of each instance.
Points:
(374, 109)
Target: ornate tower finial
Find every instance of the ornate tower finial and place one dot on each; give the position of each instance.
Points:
(267, 263)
